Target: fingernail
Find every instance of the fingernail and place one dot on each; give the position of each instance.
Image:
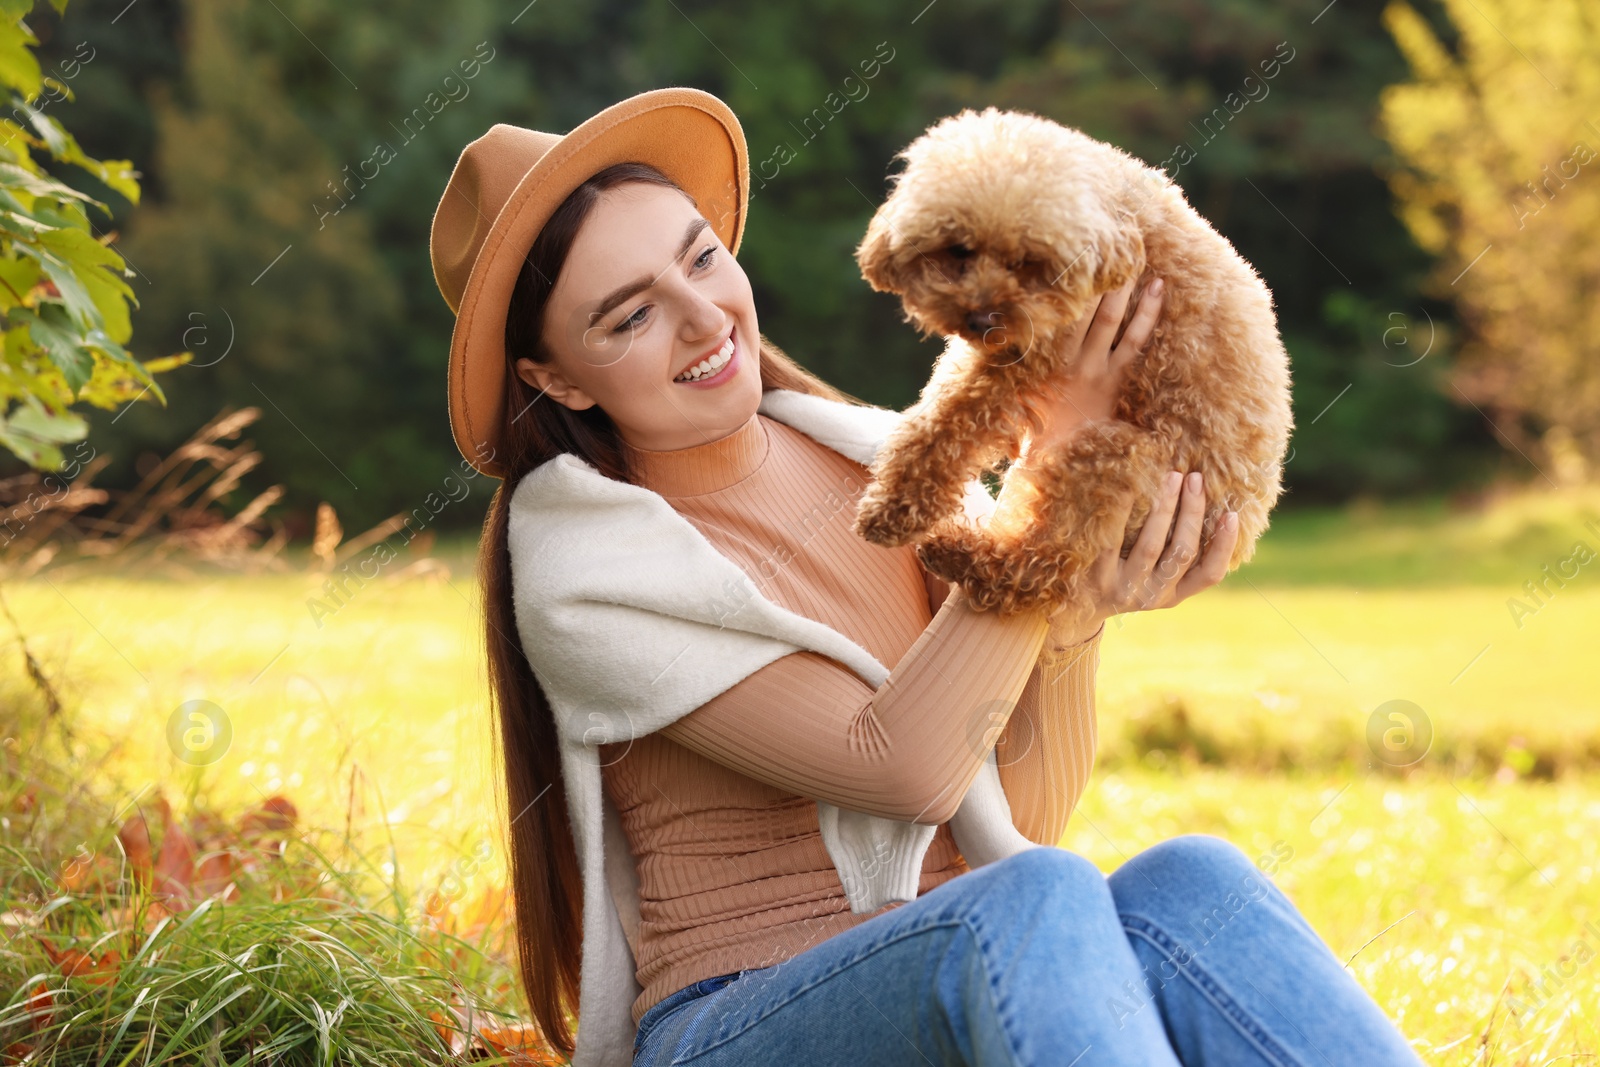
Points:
(1231, 518)
(1174, 479)
(1194, 479)
(1156, 286)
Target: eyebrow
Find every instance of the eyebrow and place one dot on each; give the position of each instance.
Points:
(622, 293)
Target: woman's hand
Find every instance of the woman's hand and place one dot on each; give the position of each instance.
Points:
(1152, 577)
(1087, 394)
(1159, 571)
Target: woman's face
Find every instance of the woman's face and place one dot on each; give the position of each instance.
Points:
(647, 292)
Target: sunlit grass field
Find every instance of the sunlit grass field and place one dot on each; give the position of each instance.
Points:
(1455, 886)
(1453, 901)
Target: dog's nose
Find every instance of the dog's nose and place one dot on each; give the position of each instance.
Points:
(980, 321)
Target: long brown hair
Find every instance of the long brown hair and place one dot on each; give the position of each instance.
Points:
(546, 881)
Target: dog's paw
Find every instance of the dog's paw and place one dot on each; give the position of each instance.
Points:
(887, 521)
(950, 552)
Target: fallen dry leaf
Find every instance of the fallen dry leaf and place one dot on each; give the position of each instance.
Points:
(38, 1006)
(135, 837)
(214, 873)
(269, 823)
(521, 1043)
(25, 801)
(173, 876)
(74, 963)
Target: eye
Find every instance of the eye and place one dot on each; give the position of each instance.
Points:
(959, 251)
(1032, 266)
(632, 322)
(703, 261)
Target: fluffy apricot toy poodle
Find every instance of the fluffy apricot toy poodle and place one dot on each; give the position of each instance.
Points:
(1001, 232)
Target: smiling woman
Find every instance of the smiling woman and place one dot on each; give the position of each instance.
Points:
(625, 286)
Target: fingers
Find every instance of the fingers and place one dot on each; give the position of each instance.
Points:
(1107, 564)
(1141, 326)
(1154, 535)
(1213, 566)
(1103, 324)
(1081, 327)
(1185, 544)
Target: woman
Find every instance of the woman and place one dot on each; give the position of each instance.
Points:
(601, 315)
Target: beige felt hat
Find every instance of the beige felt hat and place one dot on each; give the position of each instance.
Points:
(508, 182)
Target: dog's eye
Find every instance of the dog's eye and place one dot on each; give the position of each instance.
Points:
(959, 251)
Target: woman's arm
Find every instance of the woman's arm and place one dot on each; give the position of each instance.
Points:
(908, 750)
(1047, 748)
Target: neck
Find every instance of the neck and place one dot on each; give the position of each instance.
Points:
(702, 468)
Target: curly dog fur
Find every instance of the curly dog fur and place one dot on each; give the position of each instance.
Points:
(1001, 231)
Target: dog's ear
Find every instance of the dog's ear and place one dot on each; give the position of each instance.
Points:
(1120, 258)
(875, 253)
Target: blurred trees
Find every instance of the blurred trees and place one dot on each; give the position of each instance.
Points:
(279, 314)
(254, 122)
(1500, 179)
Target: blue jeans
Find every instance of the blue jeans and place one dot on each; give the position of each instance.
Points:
(1185, 954)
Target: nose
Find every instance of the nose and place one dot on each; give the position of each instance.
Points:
(703, 318)
(980, 321)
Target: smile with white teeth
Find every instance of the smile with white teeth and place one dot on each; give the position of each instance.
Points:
(707, 367)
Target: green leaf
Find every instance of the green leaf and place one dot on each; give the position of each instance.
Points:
(15, 177)
(74, 293)
(111, 296)
(54, 136)
(98, 267)
(89, 276)
(18, 67)
(117, 174)
(30, 450)
(100, 342)
(23, 226)
(78, 247)
(32, 419)
(19, 275)
(33, 432)
(52, 332)
(62, 214)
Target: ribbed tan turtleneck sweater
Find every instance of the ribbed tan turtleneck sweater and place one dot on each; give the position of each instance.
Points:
(720, 807)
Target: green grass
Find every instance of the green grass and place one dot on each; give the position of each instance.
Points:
(377, 716)
(1499, 542)
(302, 980)
(1454, 897)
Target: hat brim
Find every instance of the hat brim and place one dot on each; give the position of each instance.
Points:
(687, 134)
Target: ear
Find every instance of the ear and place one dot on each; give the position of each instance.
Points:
(545, 378)
(1119, 258)
(875, 253)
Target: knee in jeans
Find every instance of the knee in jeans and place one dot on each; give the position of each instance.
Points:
(1192, 859)
(1044, 873)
